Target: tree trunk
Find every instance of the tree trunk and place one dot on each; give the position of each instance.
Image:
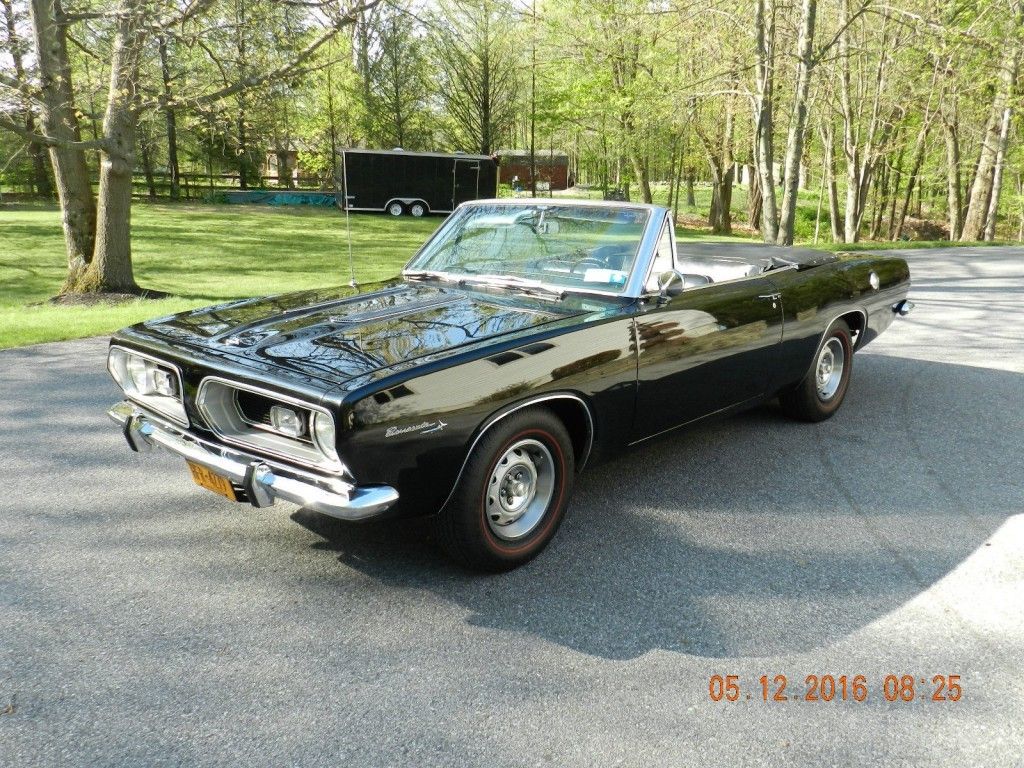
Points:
(719, 154)
(954, 199)
(720, 213)
(1020, 199)
(673, 152)
(147, 166)
(40, 178)
(851, 229)
(896, 228)
(879, 203)
(641, 170)
(243, 147)
(859, 150)
(59, 121)
(723, 193)
(798, 124)
(679, 181)
(111, 267)
(242, 49)
(764, 31)
(691, 197)
(984, 192)
(997, 177)
(173, 169)
(828, 138)
(754, 201)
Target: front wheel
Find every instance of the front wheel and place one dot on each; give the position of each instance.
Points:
(824, 387)
(512, 495)
(395, 208)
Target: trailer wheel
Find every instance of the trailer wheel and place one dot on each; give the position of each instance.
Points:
(395, 208)
(418, 209)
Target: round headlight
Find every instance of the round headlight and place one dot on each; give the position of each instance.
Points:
(324, 435)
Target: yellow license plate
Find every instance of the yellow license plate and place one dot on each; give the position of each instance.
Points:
(211, 481)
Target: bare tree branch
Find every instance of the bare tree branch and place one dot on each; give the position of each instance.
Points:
(49, 141)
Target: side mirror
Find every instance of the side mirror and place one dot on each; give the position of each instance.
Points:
(670, 285)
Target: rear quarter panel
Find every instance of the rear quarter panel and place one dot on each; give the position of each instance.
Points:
(813, 298)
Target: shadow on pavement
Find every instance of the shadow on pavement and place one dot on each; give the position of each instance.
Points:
(751, 536)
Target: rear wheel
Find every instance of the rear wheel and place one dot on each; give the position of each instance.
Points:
(512, 495)
(824, 387)
(417, 210)
(395, 208)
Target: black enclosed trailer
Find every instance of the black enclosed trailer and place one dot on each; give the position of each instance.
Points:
(414, 183)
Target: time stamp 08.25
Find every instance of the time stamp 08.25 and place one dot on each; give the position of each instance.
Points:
(895, 688)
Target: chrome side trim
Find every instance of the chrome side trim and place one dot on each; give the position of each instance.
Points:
(263, 481)
(508, 410)
(159, 361)
(271, 394)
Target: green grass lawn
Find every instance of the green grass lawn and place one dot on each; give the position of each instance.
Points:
(202, 254)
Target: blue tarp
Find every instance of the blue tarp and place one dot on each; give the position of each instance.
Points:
(271, 197)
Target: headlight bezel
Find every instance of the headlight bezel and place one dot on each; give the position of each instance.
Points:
(169, 406)
(219, 413)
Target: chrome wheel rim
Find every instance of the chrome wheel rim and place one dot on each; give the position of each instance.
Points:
(519, 489)
(417, 210)
(395, 209)
(828, 371)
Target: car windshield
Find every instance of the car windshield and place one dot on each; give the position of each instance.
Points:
(561, 247)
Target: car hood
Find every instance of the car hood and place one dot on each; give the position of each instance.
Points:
(333, 336)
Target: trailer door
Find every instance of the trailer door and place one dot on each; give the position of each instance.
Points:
(466, 181)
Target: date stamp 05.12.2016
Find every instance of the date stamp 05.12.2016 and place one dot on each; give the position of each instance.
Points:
(894, 688)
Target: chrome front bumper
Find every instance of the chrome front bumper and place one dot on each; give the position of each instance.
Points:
(262, 481)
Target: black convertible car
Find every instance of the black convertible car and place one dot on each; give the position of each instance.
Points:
(524, 340)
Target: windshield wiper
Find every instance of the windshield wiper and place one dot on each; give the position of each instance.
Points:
(522, 284)
(427, 274)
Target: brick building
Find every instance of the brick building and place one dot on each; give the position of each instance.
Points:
(552, 168)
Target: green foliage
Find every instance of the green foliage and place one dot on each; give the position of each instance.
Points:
(476, 68)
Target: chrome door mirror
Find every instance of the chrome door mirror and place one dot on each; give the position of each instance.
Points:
(670, 285)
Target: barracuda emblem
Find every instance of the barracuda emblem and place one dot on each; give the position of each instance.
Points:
(424, 428)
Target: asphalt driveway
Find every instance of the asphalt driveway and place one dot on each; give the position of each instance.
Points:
(144, 621)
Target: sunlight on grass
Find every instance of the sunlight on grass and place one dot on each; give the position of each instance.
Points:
(200, 254)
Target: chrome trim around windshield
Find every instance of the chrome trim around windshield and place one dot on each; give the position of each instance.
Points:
(641, 261)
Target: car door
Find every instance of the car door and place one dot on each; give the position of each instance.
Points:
(704, 350)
